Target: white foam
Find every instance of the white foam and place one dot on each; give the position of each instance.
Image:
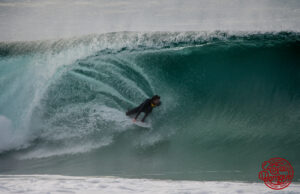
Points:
(71, 184)
(75, 149)
(119, 122)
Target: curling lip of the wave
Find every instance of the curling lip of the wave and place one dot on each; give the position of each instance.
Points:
(118, 41)
(8, 139)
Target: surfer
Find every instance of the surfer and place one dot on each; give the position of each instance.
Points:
(145, 107)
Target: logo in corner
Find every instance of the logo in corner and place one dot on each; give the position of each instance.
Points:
(277, 173)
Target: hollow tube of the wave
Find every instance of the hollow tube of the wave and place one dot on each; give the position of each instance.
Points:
(230, 102)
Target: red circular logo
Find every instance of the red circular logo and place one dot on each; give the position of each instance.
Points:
(277, 173)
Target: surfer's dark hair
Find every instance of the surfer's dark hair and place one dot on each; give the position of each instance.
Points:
(155, 97)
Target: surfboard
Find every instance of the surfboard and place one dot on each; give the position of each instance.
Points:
(141, 124)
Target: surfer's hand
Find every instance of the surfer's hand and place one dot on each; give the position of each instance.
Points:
(134, 120)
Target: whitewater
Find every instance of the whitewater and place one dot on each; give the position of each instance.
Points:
(231, 100)
(66, 184)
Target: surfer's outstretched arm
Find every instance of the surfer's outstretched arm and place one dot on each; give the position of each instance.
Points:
(139, 112)
(146, 114)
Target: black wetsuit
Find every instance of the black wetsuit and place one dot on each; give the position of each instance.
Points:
(145, 107)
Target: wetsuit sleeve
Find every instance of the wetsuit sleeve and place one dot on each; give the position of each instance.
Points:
(141, 107)
(146, 114)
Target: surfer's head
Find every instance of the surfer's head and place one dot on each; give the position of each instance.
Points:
(155, 100)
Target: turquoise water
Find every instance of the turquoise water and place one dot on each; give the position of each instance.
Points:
(229, 102)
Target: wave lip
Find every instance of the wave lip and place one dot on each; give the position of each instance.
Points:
(126, 40)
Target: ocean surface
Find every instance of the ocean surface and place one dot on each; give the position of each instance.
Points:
(230, 101)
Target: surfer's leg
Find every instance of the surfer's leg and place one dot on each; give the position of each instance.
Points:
(133, 111)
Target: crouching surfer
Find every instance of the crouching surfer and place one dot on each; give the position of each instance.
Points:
(145, 107)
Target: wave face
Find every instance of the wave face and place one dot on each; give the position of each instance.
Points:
(230, 102)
